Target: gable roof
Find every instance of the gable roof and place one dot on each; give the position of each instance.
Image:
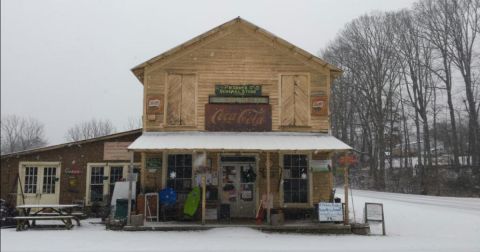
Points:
(139, 70)
(69, 144)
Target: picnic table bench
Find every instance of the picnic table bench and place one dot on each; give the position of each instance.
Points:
(40, 212)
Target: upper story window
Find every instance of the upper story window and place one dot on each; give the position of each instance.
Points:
(294, 100)
(181, 90)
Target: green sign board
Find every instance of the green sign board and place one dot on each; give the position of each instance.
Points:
(154, 163)
(320, 165)
(238, 90)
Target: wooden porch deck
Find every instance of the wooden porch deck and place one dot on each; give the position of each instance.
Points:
(288, 227)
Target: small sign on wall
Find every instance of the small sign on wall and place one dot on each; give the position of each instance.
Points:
(319, 105)
(154, 104)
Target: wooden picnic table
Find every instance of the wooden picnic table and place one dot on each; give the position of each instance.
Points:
(37, 212)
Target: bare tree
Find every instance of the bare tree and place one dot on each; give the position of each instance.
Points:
(436, 29)
(397, 66)
(90, 129)
(464, 17)
(371, 68)
(415, 53)
(134, 123)
(20, 134)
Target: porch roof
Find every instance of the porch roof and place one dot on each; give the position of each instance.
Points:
(240, 141)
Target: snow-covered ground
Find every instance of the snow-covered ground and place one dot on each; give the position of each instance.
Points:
(413, 223)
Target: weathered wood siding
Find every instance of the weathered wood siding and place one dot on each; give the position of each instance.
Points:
(236, 56)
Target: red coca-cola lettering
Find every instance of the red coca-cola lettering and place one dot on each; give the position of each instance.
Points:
(238, 117)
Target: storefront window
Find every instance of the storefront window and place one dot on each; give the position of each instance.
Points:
(96, 183)
(116, 174)
(295, 178)
(180, 173)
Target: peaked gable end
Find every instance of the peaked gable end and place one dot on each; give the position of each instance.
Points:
(224, 30)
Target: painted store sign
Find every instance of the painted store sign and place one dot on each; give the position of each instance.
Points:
(238, 90)
(238, 117)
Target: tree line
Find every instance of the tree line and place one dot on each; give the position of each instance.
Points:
(410, 85)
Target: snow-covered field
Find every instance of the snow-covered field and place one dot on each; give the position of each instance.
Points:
(413, 223)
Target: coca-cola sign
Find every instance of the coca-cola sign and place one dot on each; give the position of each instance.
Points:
(238, 117)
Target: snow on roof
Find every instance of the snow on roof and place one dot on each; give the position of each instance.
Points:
(236, 141)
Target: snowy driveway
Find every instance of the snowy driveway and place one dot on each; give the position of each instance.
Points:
(414, 223)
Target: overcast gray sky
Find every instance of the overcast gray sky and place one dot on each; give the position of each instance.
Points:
(63, 62)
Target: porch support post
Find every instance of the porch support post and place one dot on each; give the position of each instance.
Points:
(130, 185)
(347, 215)
(204, 188)
(268, 188)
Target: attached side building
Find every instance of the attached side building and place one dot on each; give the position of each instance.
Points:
(65, 173)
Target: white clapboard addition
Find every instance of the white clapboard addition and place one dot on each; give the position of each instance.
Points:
(374, 213)
(330, 212)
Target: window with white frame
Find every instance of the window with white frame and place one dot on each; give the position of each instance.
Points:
(49, 178)
(30, 179)
(295, 178)
(116, 174)
(97, 174)
(102, 177)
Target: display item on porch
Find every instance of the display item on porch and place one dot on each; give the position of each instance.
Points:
(121, 209)
(191, 204)
(168, 196)
(260, 213)
(224, 212)
(248, 175)
(120, 191)
(151, 206)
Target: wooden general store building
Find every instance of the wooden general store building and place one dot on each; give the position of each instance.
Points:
(243, 108)
(254, 105)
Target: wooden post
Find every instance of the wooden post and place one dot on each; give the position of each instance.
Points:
(130, 187)
(204, 188)
(203, 198)
(345, 174)
(268, 188)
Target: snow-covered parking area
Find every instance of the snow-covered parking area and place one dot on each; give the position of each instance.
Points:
(414, 223)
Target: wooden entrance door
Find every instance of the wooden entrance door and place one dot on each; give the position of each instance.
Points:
(40, 183)
(238, 189)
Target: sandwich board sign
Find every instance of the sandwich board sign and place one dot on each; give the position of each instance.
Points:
(374, 213)
(330, 212)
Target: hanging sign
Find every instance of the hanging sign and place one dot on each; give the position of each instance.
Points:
(319, 105)
(238, 90)
(238, 117)
(320, 165)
